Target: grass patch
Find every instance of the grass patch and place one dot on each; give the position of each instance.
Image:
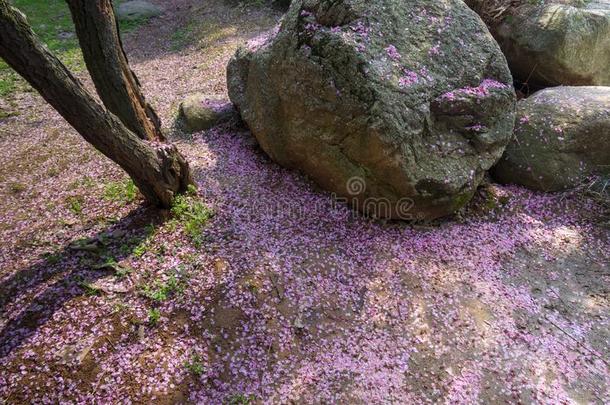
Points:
(75, 204)
(192, 213)
(123, 192)
(241, 399)
(110, 263)
(90, 289)
(153, 316)
(139, 245)
(52, 22)
(9, 82)
(195, 365)
(126, 26)
(183, 36)
(17, 188)
(161, 291)
(51, 257)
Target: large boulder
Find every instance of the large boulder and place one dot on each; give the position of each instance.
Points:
(562, 136)
(552, 42)
(137, 10)
(399, 106)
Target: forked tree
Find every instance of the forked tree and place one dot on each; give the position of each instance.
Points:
(117, 85)
(128, 131)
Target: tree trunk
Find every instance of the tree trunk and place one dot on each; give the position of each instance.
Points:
(117, 85)
(159, 170)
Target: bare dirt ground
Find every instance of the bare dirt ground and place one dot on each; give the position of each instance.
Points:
(285, 297)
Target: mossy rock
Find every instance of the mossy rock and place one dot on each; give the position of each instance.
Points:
(553, 42)
(562, 137)
(200, 112)
(136, 10)
(398, 106)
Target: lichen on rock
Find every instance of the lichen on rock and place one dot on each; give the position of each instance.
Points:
(414, 98)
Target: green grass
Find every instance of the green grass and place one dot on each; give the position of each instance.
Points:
(110, 263)
(192, 213)
(9, 81)
(195, 366)
(161, 291)
(17, 188)
(49, 19)
(51, 258)
(183, 36)
(153, 316)
(140, 244)
(52, 22)
(241, 399)
(126, 26)
(121, 191)
(75, 204)
(90, 289)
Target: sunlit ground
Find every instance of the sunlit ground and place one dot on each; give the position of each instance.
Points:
(282, 294)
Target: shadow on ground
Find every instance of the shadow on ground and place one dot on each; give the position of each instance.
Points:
(65, 275)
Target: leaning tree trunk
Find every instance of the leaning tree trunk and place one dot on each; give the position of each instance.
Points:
(117, 85)
(159, 170)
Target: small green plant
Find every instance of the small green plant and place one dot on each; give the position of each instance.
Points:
(131, 25)
(122, 271)
(17, 188)
(75, 204)
(140, 250)
(52, 258)
(155, 294)
(153, 316)
(121, 191)
(119, 307)
(140, 245)
(182, 36)
(193, 213)
(53, 172)
(137, 244)
(195, 365)
(241, 399)
(90, 289)
(161, 291)
(87, 182)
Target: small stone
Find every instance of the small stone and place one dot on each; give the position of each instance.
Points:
(220, 267)
(65, 35)
(141, 332)
(109, 286)
(74, 354)
(137, 9)
(200, 112)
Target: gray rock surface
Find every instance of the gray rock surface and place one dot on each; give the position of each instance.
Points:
(137, 9)
(553, 42)
(398, 106)
(562, 136)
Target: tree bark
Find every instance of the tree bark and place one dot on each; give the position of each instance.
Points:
(117, 85)
(159, 170)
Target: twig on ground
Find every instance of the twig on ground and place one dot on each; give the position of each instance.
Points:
(578, 342)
